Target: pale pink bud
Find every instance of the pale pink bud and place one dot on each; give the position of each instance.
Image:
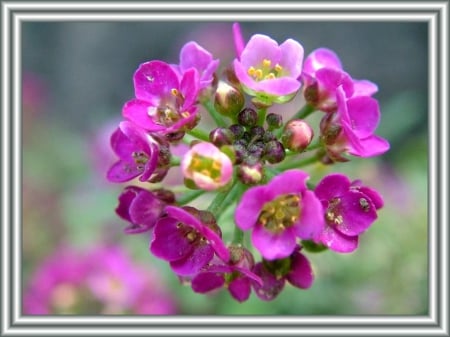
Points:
(207, 166)
(297, 135)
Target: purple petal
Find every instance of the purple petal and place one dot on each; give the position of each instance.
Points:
(240, 288)
(258, 48)
(274, 246)
(301, 274)
(122, 171)
(192, 55)
(369, 147)
(331, 186)
(189, 87)
(364, 88)
(238, 39)
(192, 263)
(213, 239)
(364, 115)
(154, 80)
(289, 182)
(373, 195)
(321, 58)
(121, 145)
(251, 275)
(137, 111)
(357, 215)
(249, 207)
(205, 282)
(330, 79)
(337, 241)
(151, 164)
(311, 222)
(271, 286)
(125, 199)
(168, 243)
(145, 209)
(292, 57)
(281, 86)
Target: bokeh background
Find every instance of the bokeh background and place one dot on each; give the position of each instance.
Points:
(76, 77)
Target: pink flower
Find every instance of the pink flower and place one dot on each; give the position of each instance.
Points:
(192, 55)
(294, 269)
(323, 74)
(139, 154)
(350, 209)
(279, 212)
(164, 102)
(98, 281)
(187, 242)
(351, 129)
(207, 166)
(236, 275)
(267, 70)
(140, 207)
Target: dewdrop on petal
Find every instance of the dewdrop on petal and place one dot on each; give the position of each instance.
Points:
(207, 166)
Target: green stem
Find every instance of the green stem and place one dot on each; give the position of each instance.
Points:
(304, 112)
(298, 163)
(314, 146)
(189, 196)
(214, 114)
(200, 134)
(224, 199)
(262, 116)
(238, 235)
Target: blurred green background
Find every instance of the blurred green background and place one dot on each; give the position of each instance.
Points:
(77, 77)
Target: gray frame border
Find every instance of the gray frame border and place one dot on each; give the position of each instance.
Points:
(13, 13)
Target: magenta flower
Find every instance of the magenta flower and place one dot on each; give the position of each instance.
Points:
(187, 242)
(279, 212)
(140, 207)
(164, 103)
(192, 55)
(323, 74)
(207, 166)
(352, 128)
(294, 269)
(236, 275)
(99, 281)
(350, 209)
(140, 154)
(267, 70)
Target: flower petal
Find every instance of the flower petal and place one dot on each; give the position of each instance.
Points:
(274, 246)
(321, 58)
(207, 281)
(364, 115)
(249, 207)
(301, 274)
(168, 243)
(192, 263)
(311, 222)
(270, 287)
(331, 186)
(122, 171)
(369, 147)
(240, 289)
(258, 48)
(290, 182)
(364, 88)
(337, 241)
(137, 111)
(292, 57)
(154, 80)
(145, 209)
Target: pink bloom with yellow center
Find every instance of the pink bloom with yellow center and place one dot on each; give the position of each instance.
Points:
(207, 166)
(267, 70)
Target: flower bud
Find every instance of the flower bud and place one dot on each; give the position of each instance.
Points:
(274, 121)
(228, 100)
(297, 135)
(221, 136)
(207, 166)
(250, 174)
(238, 130)
(274, 152)
(248, 117)
(257, 132)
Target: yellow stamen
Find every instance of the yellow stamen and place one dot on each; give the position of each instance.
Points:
(258, 74)
(278, 68)
(266, 63)
(251, 71)
(269, 76)
(175, 92)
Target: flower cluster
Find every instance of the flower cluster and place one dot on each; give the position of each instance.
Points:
(251, 161)
(103, 280)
